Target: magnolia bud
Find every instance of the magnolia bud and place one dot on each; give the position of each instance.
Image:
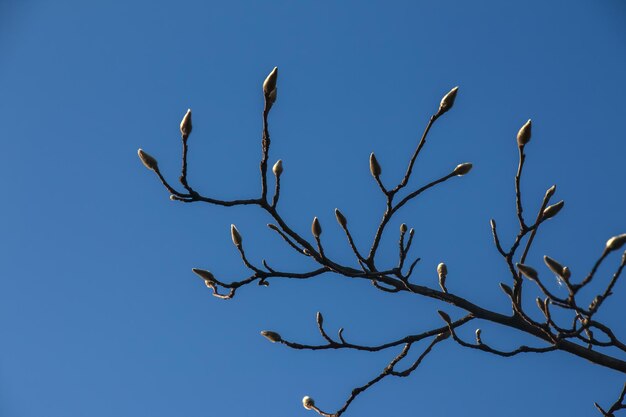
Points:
(308, 403)
(566, 273)
(341, 219)
(550, 191)
(235, 235)
(555, 267)
(316, 227)
(541, 304)
(278, 168)
(271, 336)
(269, 86)
(442, 270)
(205, 275)
(403, 228)
(320, 319)
(507, 290)
(478, 339)
(444, 316)
(552, 210)
(447, 101)
(523, 136)
(148, 160)
(528, 271)
(614, 243)
(185, 124)
(462, 169)
(374, 166)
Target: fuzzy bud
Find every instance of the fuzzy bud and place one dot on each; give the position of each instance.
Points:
(319, 318)
(462, 169)
(308, 403)
(269, 86)
(277, 169)
(541, 304)
(447, 101)
(341, 219)
(235, 235)
(527, 271)
(205, 275)
(271, 336)
(507, 290)
(442, 270)
(316, 227)
(552, 210)
(523, 136)
(149, 161)
(550, 191)
(375, 168)
(615, 242)
(555, 267)
(185, 125)
(566, 273)
(478, 339)
(403, 228)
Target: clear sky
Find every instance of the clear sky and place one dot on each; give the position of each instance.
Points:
(100, 314)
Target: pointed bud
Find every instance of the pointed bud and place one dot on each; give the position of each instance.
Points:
(615, 242)
(444, 316)
(403, 228)
(341, 219)
(271, 336)
(447, 101)
(552, 210)
(149, 161)
(478, 339)
(269, 86)
(529, 272)
(235, 235)
(462, 169)
(316, 227)
(507, 290)
(374, 166)
(442, 270)
(278, 168)
(205, 275)
(308, 403)
(185, 125)
(566, 273)
(523, 136)
(554, 266)
(541, 305)
(320, 319)
(550, 192)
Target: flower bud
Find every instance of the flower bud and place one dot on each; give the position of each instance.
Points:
(269, 86)
(541, 304)
(403, 228)
(341, 219)
(444, 316)
(462, 169)
(442, 270)
(550, 191)
(555, 267)
(523, 136)
(507, 290)
(374, 166)
(205, 275)
(447, 101)
(185, 124)
(277, 169)
(148, 160)
(552, 210)
(308, 403)
(566, 273)
(235, 235)
(319, 318)
(271, 336)
(478, 339)
(615, 242)
(316, 227)
(528, 271)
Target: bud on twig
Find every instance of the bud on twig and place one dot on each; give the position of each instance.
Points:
(552, 210)
(235, 235)
(269, 86)
(205, 275)
(149, 161)
(271, 336)
(523, 136)
(185, 125)
(615, 242)
(507, 290)
(316, 227)
(542, 305)
(444, 316)
(447, 101)
(528, 271)
(462, 169)
(277, 169)
(374, 166)
(308, 403)
(442, 272)
(341, 219)
(555, 267)
(403, 228)
(478, 339)
(550, 191)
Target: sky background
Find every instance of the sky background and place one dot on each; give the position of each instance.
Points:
(100, 314)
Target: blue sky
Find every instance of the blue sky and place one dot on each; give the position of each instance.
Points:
(99, 311)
